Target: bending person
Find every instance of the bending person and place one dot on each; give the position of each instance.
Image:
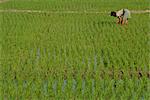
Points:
(123, 16)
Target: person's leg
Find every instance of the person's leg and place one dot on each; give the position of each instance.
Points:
(126, 22)
(123, 21)
(125, 18)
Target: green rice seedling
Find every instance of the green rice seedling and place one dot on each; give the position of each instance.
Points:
(72, 51)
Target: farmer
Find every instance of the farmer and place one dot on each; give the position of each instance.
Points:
(123, 15)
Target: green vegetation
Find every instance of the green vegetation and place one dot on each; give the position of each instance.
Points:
(93, 5)
(73, 55)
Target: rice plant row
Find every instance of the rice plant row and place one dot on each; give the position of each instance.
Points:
(73, 56)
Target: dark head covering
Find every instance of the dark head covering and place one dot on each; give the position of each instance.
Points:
(113, 13)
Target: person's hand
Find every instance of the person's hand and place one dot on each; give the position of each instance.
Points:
(118, 22)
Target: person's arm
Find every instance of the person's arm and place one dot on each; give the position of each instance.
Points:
(119, 16)
(119, 20)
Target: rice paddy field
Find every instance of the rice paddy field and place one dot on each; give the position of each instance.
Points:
(73, 49)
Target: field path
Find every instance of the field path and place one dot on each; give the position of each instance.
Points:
(67, 12)
(2, 1)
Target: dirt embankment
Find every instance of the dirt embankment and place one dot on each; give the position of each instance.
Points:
(77, 12)
(140, 11)
(2, 1)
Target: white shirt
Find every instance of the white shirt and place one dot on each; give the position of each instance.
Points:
(119, 13)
